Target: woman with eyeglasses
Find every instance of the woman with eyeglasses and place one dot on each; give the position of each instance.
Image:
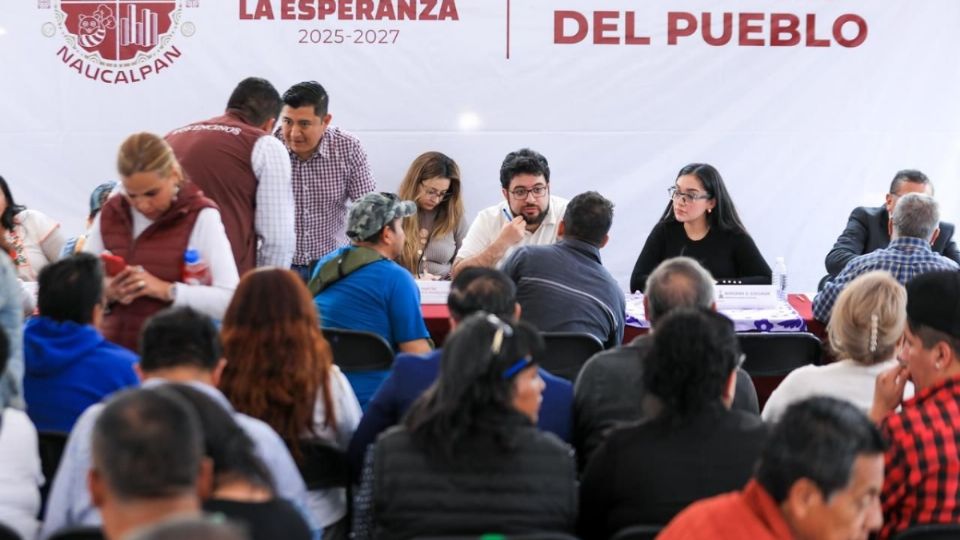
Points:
(691, 445)
(701, 222)
(468, 458)
(435, 232)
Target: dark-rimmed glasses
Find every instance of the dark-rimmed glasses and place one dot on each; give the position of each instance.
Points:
(676, 195)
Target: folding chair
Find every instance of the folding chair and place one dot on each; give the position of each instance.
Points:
(940, 531)
(364, 357)
(323, 466)
(78, 533)
(771, 356)
(638, 532)
(50, 445)
(6, 533)
(567, 352)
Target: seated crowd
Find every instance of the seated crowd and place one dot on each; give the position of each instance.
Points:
(176, 351)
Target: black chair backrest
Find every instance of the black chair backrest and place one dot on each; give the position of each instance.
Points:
(567, 352)
(544, 535)
(940, 531)
(355, 350)
(6, 533)
(78, 533)
(638, 532)
(50, 445)
(323, 466)
(776, 354)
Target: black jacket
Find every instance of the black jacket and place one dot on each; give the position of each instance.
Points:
(531, 488)
(609, 393)
(867, 231)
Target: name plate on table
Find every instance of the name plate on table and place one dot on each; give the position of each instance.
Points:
(746, 297)
(433, 292)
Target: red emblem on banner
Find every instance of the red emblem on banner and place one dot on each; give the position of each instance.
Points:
(119, 41)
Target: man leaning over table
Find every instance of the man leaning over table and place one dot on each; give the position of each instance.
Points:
(329, 168)
(528, 215)
(609, 391)
(868, 227)
(913, 229)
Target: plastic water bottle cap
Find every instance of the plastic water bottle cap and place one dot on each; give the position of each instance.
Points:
(191, 256)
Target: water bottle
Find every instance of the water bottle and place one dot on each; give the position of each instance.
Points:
(195, 269)
(780, 278)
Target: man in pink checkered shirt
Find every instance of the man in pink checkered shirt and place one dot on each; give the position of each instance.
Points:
(329, 168)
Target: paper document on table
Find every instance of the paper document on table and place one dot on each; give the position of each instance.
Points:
(745, 296)
(433, 292)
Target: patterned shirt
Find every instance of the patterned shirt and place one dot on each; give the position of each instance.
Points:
(336, 172)
(922, 465)
(904, 257)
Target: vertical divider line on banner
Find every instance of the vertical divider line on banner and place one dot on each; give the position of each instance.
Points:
(508, 29)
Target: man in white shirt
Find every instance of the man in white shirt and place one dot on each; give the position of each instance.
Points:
(528, 215)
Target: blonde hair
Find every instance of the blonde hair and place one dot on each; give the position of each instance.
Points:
(868, 318)
(449, 212)
(146, 152)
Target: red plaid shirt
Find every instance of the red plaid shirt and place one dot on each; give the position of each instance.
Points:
(322, 185)
(922, 465)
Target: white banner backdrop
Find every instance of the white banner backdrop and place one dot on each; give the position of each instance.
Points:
(806, 107)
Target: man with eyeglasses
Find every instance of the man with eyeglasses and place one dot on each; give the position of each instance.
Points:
(868, 228)
(528, 215)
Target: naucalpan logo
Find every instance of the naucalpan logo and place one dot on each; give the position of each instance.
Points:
(118, 41)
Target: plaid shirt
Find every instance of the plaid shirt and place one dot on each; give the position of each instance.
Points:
(322, 185)
(905, 258)
(922, 465)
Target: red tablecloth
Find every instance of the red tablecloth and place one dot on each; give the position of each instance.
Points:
(437, 317)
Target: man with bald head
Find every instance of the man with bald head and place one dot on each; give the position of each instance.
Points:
(609, 391)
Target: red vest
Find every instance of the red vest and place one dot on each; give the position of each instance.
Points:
(159, 249)
(215, 154)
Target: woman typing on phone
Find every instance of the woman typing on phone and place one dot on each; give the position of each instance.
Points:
(147, 231)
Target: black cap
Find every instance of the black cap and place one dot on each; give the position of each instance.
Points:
(933, 300)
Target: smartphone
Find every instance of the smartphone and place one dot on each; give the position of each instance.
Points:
(113, 264)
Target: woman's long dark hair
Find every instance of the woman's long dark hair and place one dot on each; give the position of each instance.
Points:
(12, 209)
(225, 442)
(694, 352)
(724, 215)
(472, 393)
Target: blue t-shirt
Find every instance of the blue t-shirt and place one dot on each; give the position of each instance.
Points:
(381, 297)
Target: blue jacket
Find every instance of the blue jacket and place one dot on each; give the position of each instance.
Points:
(412, 374)
(70, 366)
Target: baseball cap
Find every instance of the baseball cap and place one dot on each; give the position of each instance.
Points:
(933, 299)
(372, 212)
(99, 195)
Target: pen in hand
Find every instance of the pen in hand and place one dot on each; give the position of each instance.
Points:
(506, 214)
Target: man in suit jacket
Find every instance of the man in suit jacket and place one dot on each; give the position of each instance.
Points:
(869, 228)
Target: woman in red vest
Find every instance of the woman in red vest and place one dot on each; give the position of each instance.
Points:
(151, 225)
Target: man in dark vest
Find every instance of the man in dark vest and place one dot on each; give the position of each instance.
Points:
(236, 162)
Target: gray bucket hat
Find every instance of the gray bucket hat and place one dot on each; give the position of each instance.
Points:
(374, 211)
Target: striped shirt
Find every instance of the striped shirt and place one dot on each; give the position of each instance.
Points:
(322, 185)
(905, 258)
(922, 464)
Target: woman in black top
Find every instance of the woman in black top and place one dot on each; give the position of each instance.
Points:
(701, 222)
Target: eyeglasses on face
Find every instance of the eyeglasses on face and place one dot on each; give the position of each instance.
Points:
(678, 195)
(434, 194)
(537, 191)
